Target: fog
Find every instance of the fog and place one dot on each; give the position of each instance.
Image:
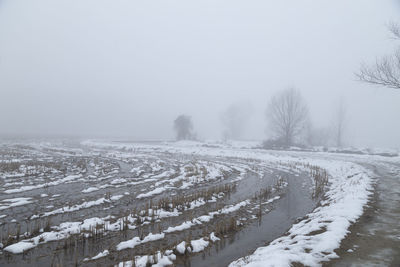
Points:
(129, 68)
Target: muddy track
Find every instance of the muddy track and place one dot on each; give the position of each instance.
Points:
(374, 240)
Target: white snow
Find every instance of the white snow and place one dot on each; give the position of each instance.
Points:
(235, 207)
(199, 245)
(90, 189)
(348, 193)
(14, 202)
(181, 247)
(195, 245)
(162, 260)
(136, 241)
(20, 247)
(156, 191)
(116, 197)
(181, 227)
(65, 230)
(76, 207)
(100, 255)
(118, 181)
(213, 238)
(67, 179)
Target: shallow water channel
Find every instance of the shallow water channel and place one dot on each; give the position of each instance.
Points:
(294, 204)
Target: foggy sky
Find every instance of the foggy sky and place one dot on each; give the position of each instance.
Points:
(129, 68)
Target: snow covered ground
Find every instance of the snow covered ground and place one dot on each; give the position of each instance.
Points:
(314, 239)
(114, 189)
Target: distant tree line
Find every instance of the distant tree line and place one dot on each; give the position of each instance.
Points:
(287, 114)
(288, 122)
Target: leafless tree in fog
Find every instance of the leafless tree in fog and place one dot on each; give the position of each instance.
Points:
(395, 30)
(234, 120)
(183, 127)
(339, 124)
(287, 115)
(385, 71)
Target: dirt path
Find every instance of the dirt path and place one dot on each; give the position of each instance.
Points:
(375, 239)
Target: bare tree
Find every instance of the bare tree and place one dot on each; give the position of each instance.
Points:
(287, 115)
(394, 30)
(183, 127)
(234, 120)
(340, 123)
(385, 71)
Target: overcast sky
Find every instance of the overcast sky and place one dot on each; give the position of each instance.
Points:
(128, 68)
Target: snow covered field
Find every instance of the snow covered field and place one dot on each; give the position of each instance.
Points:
(131, 204)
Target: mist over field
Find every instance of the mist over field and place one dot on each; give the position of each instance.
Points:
(202, 133)
(128, 69)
